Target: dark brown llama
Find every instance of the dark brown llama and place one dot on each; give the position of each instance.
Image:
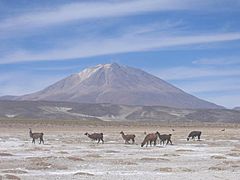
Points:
(36, 136)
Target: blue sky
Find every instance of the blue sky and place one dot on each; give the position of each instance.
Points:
(195, 45)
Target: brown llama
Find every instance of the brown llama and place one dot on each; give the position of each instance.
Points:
(165, 137)
(194, 134)
(149, 139)
(95, 136)
(128, 137)
(36, 136)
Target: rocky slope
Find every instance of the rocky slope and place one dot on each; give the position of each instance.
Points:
(109, 112)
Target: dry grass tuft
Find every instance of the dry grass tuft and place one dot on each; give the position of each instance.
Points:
(111, 151)
(63, 152)
(10, 176)
(237, 154)
(5, 154)
(83, 174)
(154, 159)
(235, 149)
(179, 169)
(43, 164)
(165, 169)
(15, 171)
(170, 155)
(217, 168)
(38, 163)
(59, 167)
(74, 158)
(233, 164)
(183, 169)
(93, 156)
(218, 157)
(185, 150)
(123, 162)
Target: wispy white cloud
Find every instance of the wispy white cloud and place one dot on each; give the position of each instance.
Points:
(229, 101)
(218, 84)
(218, 61)
(165, 28)
(82, 11)
(51, 68)
(214, 85)
(95, 47)
(19, 83)
(184, 73)
(92, 10)
(222, 92)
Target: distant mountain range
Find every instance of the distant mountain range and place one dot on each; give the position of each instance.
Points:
(116, 84)
(236, 108)
(43, 110)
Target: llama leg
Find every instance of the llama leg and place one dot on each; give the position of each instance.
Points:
(161, 142)
(102, 141)
(41, 140)
(167, 142)
(133, 141)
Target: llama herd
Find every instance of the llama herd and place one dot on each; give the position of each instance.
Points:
(148, 140)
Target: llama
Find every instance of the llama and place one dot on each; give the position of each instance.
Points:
(128, 137)
(165, 137)
(36, 136)
(193, 134)
(95, 136)
(149, 139)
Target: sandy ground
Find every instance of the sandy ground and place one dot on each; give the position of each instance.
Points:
(68, 154)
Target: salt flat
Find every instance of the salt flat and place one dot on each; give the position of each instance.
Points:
(68, 154)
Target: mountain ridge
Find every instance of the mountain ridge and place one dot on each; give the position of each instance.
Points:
(39, 110)
(117, 84)
(237, 108)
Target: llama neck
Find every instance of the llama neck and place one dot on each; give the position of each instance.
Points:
(145, 140)
(30, 133)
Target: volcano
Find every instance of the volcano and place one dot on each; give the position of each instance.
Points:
(118, 84)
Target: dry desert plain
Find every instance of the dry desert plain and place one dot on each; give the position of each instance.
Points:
(68, 154)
